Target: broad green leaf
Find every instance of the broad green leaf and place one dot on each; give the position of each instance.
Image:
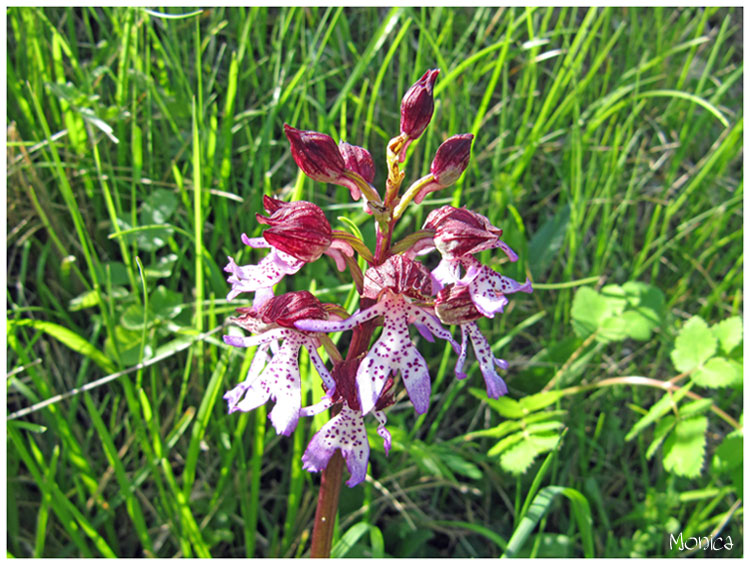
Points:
(645, 299)
(637, 325)
(89, 298)
(159, 207)
(166, 303)
(519, 457)
(663, 427)
(685, 447)
(718, 372)
(729, 333)
(162, 268)
(729, 453)
(133, 317)
(694, 345)
(590, 309)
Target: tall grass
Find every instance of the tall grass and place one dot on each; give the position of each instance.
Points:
(608, 147)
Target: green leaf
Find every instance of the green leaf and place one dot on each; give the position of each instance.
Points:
(506, 407)
(694, 345)
(133, 318)
(685, 447)
(162, 268)
(637, 325)
(518, 458)
(663, 427)
(166, 303)
(718, 372)
(696, 407)
(68, 338)
(729, 333)
(729, 453)
(350, 537)
(547, 241)
(661, 407)
(540, 400)
(539, 508)
(589, 310)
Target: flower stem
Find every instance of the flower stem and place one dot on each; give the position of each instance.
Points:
(330, 482)
(328, 505)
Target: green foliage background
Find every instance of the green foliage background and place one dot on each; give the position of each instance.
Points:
(608, 147)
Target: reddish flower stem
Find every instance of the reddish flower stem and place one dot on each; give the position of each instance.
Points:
(330, 482)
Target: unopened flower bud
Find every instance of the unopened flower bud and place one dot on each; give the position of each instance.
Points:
(299, 229)
(316, 154)
(451, 159)
(459, 231)
(454, 306)
(358, 160)
(290, 307)
(417, 105)
(400, 275)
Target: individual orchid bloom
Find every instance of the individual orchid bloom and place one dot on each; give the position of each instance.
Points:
(488, 288)
(393, 282)
(299, 233)
(318, 156)
(299, 229)
(454, 306)
(460, 232)
(262, 277)
(358, 159)
(346, 430)
(450, 162)
(277, 377)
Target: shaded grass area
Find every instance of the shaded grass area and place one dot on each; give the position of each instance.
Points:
(608, 147)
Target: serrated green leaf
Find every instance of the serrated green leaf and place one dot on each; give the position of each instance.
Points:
(505, 443)
(661, 407)
(518, 458)
(729, 333)
(540, 400)
(696, 407)
(685, 447)
(729, 453)
(637, 325)
(718, 372)
(614, 328)
(506, 407)
(663, 427)
(694, 345)
(458, 464)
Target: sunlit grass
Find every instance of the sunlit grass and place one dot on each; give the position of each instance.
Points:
(608, 147)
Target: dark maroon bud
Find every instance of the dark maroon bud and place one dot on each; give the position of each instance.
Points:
(290, 307)
(401, 275)
(454, 306)
(316, 154)
(417, 105)
(451, 159)
(459, 231)
(358, 160)
(299, 229)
